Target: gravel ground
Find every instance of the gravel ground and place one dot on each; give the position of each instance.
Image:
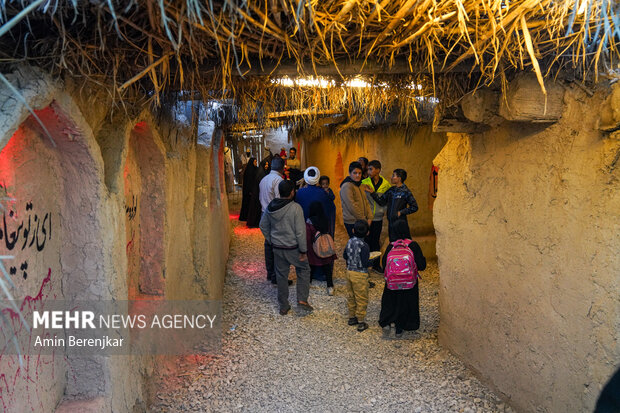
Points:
(273, 363)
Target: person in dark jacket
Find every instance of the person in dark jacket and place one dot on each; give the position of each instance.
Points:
(357, 254)
(399, 200)
(249, 181)
(313, 192)
(402, 307)
(284, 227)
(609, 399)
(255, 208)
(324, 183)
(318, 222)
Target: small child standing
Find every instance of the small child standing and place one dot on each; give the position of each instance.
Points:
(357, 255)
(324, 182)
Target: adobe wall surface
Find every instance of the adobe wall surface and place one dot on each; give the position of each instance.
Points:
(528, 233)
(114, 198)
(395, 149)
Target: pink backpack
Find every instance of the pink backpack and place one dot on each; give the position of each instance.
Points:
(401, 271)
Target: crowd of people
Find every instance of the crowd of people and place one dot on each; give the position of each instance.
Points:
(296, 213)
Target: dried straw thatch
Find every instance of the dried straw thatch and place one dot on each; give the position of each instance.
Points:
(227, 48)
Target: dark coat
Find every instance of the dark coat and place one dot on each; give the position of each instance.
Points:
(249, 181)
(402, 307)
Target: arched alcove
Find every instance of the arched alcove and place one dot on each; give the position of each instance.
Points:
(52, 188)
(145, 205)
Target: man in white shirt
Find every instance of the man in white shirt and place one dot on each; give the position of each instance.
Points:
(268, 187)
(267, 192)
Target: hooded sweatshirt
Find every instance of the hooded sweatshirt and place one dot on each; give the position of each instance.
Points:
(354, 203)
(283, 225)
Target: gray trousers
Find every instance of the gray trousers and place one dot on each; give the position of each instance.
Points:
(283, 260)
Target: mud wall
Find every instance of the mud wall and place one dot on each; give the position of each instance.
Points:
(528, 232)
(99, 205)
(395, 148)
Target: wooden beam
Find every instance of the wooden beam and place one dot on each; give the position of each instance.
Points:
(459, 126)
(525, 101)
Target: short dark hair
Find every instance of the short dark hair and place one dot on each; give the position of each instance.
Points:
(293, 149)
(360, 228)
(363, 159)
(355, 165)
(324, 178)
(375, 164)
(401, 173)
(277, 164)
(285, 188)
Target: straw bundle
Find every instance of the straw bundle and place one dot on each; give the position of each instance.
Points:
(207, 48)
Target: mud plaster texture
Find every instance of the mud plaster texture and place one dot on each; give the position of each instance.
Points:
(527, 237)
(78, 182)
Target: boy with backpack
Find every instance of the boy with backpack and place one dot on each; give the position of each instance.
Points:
(357, 254)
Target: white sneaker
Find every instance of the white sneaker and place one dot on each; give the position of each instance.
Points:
(330, 290)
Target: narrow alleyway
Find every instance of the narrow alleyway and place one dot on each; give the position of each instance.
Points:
(273, 363)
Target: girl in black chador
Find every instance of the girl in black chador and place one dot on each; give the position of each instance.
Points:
(249, 178)
(255, 209)
(401, 307)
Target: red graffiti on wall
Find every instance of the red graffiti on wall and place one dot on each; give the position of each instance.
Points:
(33, 362)
(129, 246)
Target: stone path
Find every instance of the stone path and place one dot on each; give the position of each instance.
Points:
(273, 363)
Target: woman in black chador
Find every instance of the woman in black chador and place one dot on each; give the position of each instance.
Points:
(255, 209)
(249, 178)
(401, 307)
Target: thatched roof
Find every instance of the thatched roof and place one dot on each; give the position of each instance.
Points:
(215, 49)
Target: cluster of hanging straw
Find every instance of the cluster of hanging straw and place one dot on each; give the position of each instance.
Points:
(143, 49)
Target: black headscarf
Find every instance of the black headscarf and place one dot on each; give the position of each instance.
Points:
(250, 171)
(400, 230)
(262, 172)
(317, 217)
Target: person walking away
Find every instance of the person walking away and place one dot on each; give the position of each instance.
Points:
(380, 186)
(268, 191)
(354, 203)
(399, 200)
(401, 308)
(312, 192)
(249, 181)
(255, 209)
(357, 255)
(283, 226)
(317, 225)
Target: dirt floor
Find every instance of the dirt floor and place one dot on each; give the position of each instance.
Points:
(274, 363)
